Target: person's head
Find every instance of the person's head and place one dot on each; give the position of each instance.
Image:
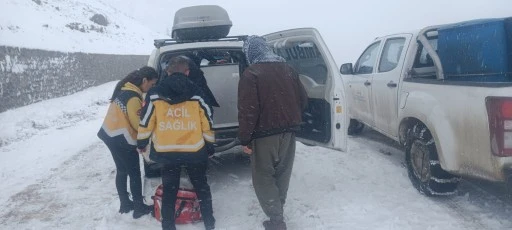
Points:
(195, 58)
(257, 50)
(147, 78)
(144, 78)
(179, 64)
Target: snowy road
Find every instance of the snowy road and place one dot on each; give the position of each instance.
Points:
(56, 174)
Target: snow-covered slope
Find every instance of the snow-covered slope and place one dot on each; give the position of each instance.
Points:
(91, 26)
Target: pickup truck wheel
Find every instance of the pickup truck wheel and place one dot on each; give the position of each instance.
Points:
(355, 127)
(423, 165)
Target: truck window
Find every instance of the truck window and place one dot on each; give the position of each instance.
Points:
(423, 59)
(423, 64)
(305, 58)
(391, 54)
(367, 60)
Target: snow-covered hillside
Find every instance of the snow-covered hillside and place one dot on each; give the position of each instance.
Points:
(92, 26)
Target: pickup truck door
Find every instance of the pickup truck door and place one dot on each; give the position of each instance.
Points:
(386, 83)
(325, 121)
(360, 84)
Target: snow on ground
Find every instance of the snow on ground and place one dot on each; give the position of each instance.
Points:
(56, 174)
(66, 25)
(38, 138)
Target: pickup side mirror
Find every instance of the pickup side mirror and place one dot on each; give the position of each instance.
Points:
(346, 69)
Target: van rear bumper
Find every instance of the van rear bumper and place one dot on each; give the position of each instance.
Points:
(225, 139)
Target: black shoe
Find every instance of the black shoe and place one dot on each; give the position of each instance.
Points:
(274, 225)
(169, 228)
(126, 207)
(141, 209)
(166, 225)
(209, 223)
(209, 226)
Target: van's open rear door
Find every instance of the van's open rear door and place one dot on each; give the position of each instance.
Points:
(326, 118)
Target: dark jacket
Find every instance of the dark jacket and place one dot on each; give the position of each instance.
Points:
(271, 99)
(197, 76)
(177, 120)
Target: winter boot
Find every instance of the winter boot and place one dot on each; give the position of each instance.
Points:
(126, 204)
(126, 207)
(141, 209)
(274, 225)
(209, 223)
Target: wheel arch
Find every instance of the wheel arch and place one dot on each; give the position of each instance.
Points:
(444, 140)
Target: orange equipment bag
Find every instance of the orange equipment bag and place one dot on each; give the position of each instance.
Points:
(186, 209)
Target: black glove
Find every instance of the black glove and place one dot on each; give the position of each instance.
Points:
(210, 149)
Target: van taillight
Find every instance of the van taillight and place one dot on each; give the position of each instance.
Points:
(499, 111)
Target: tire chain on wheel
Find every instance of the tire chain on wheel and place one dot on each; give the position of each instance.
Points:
(440, 181)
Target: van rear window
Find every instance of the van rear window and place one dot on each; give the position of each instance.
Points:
(206, 57)
(305, 58)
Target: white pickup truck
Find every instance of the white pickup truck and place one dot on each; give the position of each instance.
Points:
(445, 93)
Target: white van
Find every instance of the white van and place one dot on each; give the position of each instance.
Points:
(200, 32)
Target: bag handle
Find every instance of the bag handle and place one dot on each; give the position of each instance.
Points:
(180, 209)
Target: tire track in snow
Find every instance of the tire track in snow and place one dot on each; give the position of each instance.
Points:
(480, 204)
(61, 199)
(483, 203)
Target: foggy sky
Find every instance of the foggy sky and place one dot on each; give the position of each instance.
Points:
(346, 26)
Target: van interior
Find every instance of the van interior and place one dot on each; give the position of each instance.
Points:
(223, 67)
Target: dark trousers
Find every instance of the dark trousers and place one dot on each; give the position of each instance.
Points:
(127, 163)
(171, 183)
(272, 163)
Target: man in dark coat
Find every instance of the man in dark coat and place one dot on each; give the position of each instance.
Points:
(271, 99)
(197, 76)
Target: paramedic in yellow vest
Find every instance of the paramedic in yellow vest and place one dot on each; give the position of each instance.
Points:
(178, 121)
(119, 132)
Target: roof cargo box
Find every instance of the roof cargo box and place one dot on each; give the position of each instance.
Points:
(201, 23)
(477, 50)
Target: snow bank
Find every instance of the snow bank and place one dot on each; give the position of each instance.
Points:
(37, 138)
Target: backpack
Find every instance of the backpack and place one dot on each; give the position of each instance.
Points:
(186, 208)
